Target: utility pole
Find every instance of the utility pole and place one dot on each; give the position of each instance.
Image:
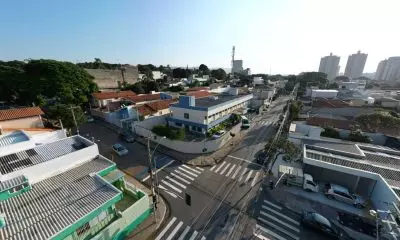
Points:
(73, 116)
(153, 192)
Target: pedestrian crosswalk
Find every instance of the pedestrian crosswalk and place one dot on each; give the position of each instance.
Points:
(235, 171)
(177, 181)
(175, 230)
(274, 224)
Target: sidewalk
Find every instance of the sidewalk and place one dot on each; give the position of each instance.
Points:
(147, 230)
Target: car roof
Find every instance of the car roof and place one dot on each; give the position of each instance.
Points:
(321, 219)
(339, 188)
(117, 145)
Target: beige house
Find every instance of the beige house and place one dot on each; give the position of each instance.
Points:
(20, 118)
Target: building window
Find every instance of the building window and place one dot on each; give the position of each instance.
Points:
(199, 129)
(178, 124)
(83, 229)
(186, 115)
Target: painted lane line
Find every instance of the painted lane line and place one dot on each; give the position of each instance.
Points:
(281, 215)
(273, 205)
(166, 228)
(184, 175)
(203, 238)
(166, 190)
(269, 232)
(186, 171)
(178, 177)
(175, 230)
(230, 170)
(182, 236)
(236, 172)
(253, 183)
(176, 182)
(220, 166)
(171, 186)
(193, 235)
(191, 169)
(199, 168)
(280, 221)
(241, 175)
(166, 165)
(279, 228)
(226, 167)
(248, 176)
(212, 168)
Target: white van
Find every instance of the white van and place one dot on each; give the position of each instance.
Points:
(245, 122)
(294, 176)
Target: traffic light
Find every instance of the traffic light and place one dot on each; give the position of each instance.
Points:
(188, 199)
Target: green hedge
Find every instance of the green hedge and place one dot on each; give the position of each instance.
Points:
(170, 133)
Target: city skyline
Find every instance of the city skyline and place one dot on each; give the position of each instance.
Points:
(286, 37)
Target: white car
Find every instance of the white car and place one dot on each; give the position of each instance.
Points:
(218, 134)
(120, 149)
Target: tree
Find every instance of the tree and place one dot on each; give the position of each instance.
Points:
(330, 132)
(179, 73)
(97, 63)
(342, 78)
(219, 74)
(294, 110)
(63, 112)
(357, 136)
(333, 86)
(204, 69)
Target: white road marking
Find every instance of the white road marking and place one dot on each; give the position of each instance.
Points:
(171, 186)
(280, 221)
(279, 228)
(253, 183)
(166, 228)
(220, 166)
(178, 177)
(226, 167)
(182, 236)
(191, 169)
(248, 176)
(201, 169)
(165, 189)
(273, 205)
(186, 171)
(267, 231)
(193, 235)
(241, 175)
(184, 175)
(203, 238)
(212, 168)
(236, 172)
(175, 230)
(281, 215)
(230, 170)
(166, 165)
(244, 160)
(176, 182)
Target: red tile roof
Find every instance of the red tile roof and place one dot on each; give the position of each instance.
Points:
(153, 107)
(17, 113)
(329, 103)
(144, 98)
(330, 122)
(110, 95)
(199, 94)
(198, 89)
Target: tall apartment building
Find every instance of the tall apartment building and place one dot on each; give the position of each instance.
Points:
(380, 70)
(237, 66)
(330, 66)
(392, 69)
(355, 65)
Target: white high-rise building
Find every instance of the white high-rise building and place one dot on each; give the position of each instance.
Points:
(355, 65)
(330, 66)
(237, 66)
(380, 70)
(392, 69)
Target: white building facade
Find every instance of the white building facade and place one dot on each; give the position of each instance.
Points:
(330, 66)
(392, 69)
(380, 70)
(355, 65)
(237, 66)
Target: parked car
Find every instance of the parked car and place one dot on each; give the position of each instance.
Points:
(295, 177)
(127, 137)
(320, 223)
(340, 193)
(89, 119)
(218, 134)
(120, 149)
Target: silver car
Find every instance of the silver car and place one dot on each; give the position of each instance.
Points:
(340, 193)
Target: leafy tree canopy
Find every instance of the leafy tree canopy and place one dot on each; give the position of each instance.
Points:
(145, 86)
(219, 74)
(63, 112)
(204, 69)
(330, 132)
(98, 64)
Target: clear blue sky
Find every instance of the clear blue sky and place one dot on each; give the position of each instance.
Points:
(288, 36)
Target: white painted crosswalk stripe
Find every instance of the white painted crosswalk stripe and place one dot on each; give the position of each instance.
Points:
(241, 175)
(273, 205)
(186, 171)
(279, 221)
(248, 176)
(193, 235)
(226, 167)
(279, 228)
(166, 190)
(171, 186)
(281, 215)
(203, 238)
(182, 236)
(176, 182)
(180, 178)
(199, 168)
(166, 228)
(176, 229)
(191, 169)
(212, 168)
(269, 232)
(236, 172)
(253, 183)
(219, 168)
(230, 170)
(184, 175)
